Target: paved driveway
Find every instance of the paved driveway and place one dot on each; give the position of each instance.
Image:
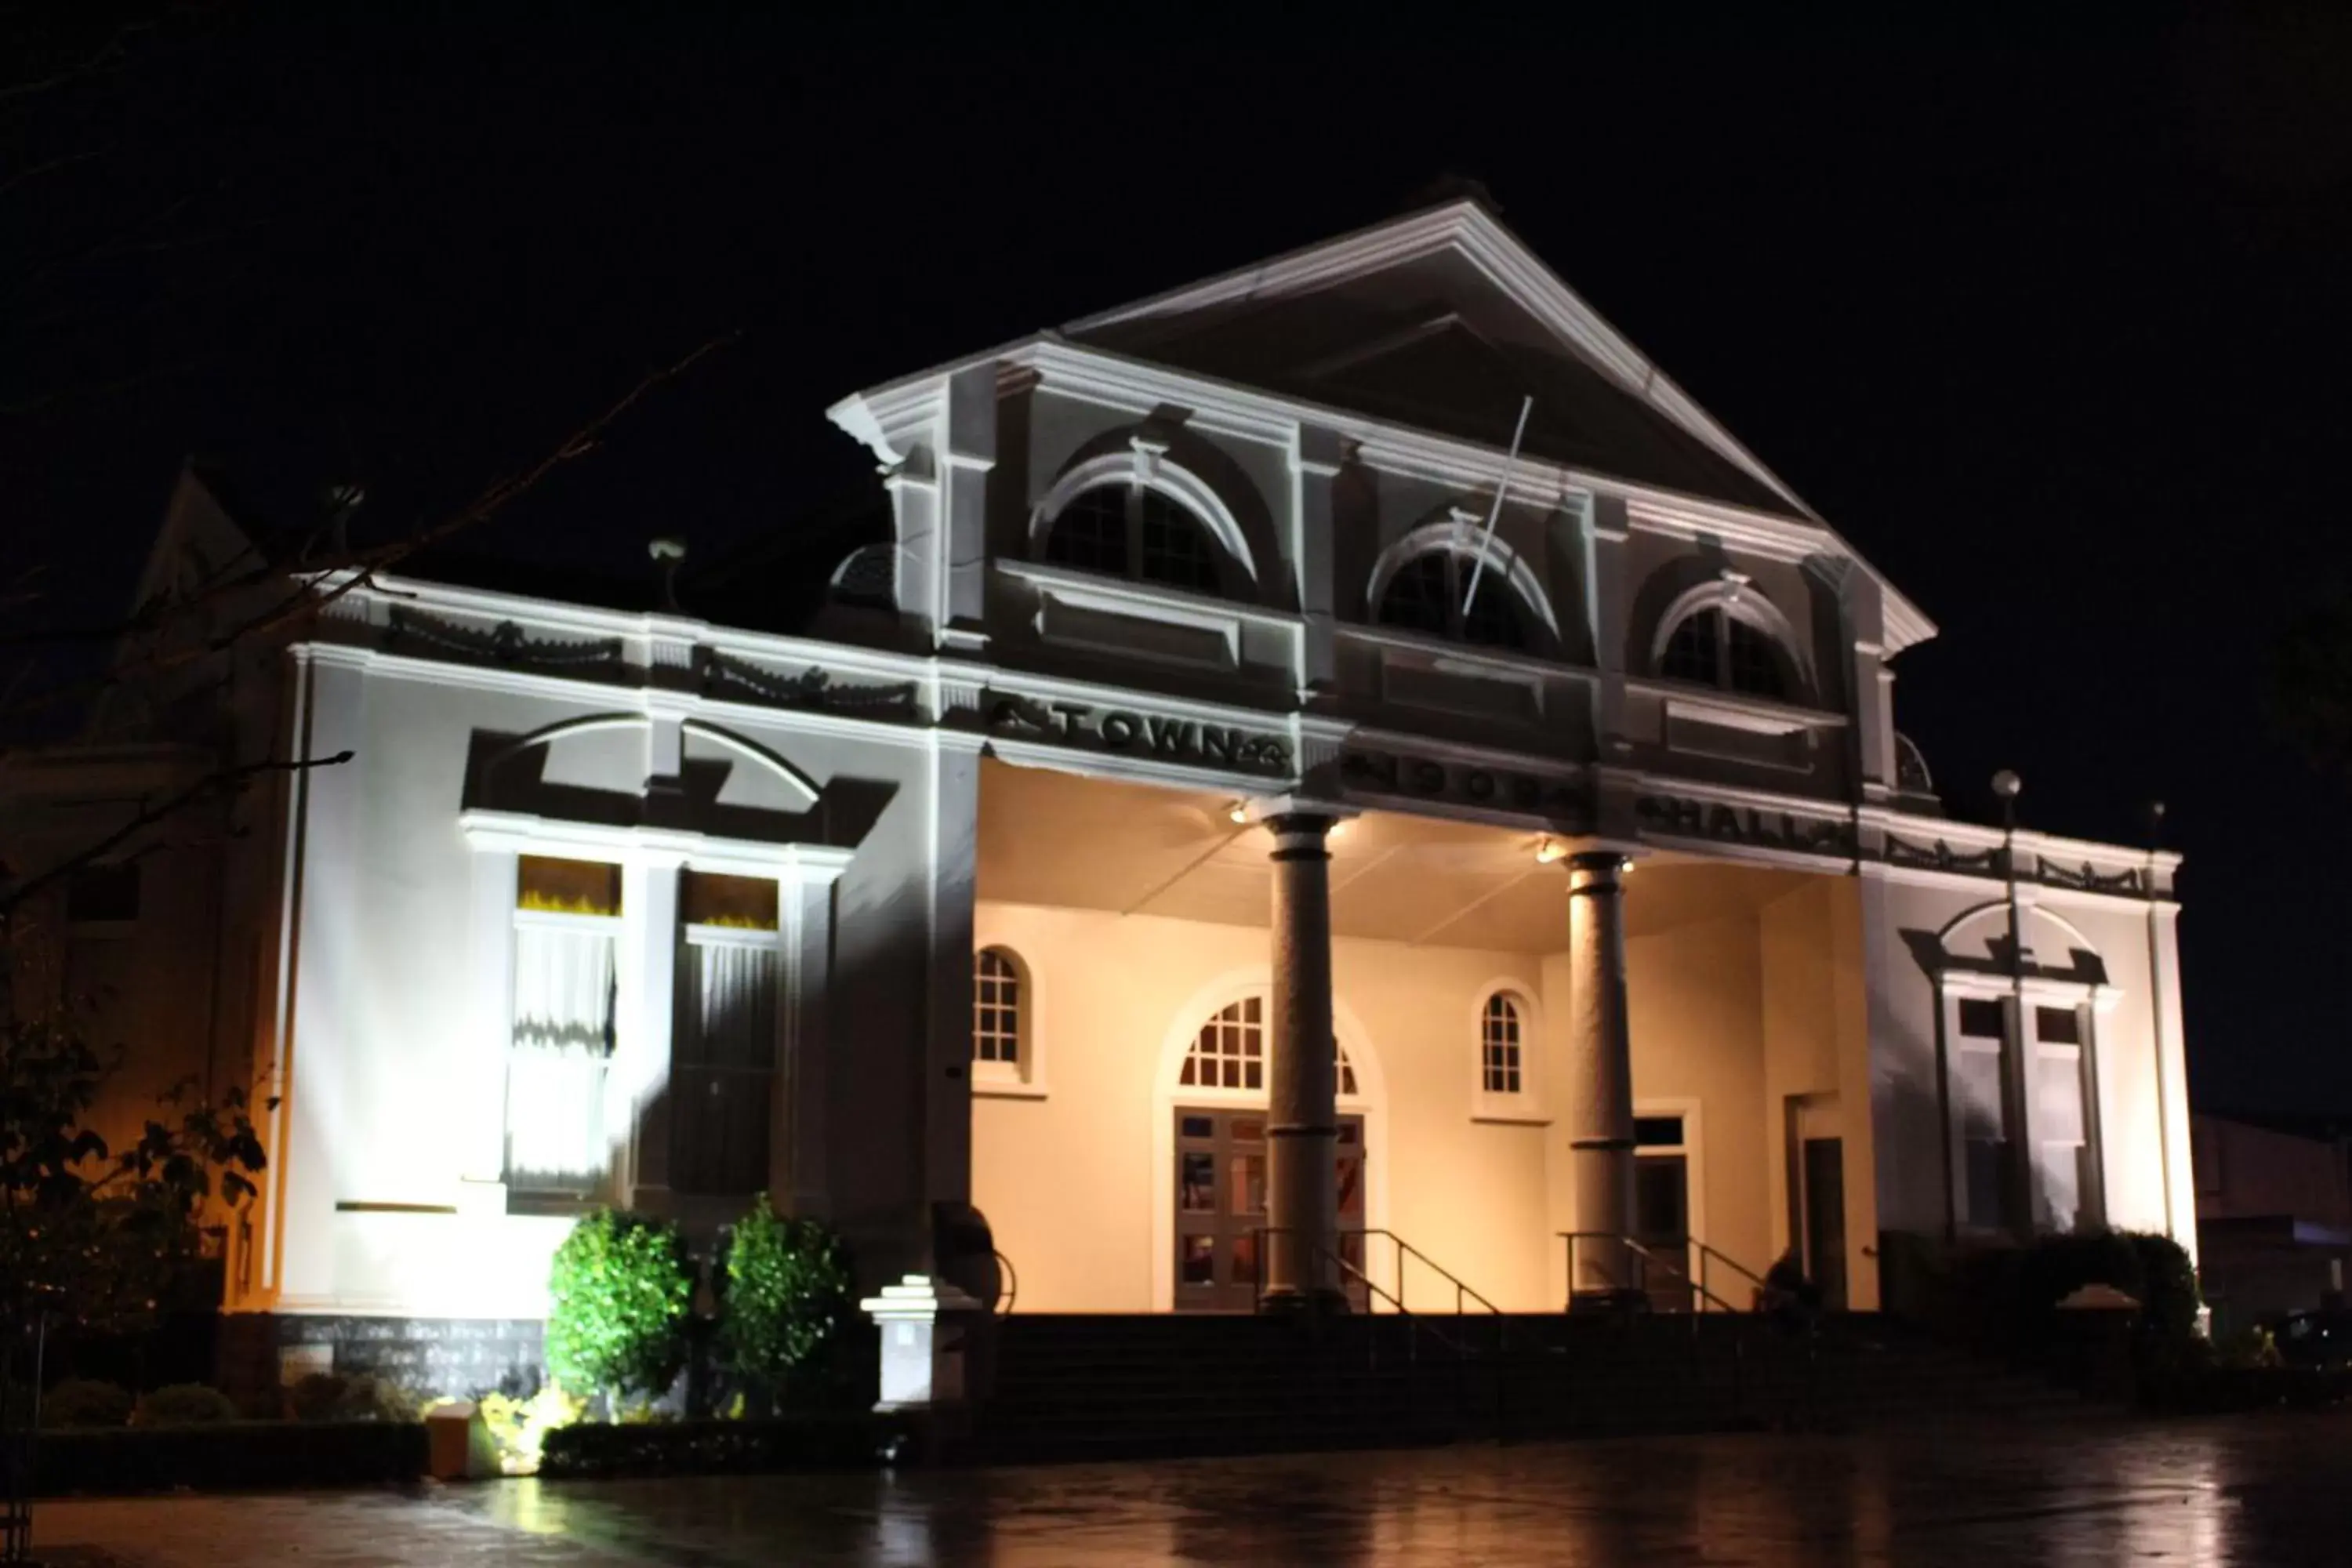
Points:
(2270, 1490)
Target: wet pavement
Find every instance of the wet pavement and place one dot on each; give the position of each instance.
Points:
(2271, 1489)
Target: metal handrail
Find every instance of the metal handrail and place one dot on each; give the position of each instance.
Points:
(1012, 1282)
(1640, 1249)
(1265, 1232)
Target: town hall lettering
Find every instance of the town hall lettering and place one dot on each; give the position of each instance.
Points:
(1152, 734)
(1386, 772)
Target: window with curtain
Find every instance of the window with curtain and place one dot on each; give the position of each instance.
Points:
(723, 1044)
(566, 925)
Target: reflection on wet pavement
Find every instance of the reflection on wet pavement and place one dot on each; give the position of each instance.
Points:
(2267, 1490)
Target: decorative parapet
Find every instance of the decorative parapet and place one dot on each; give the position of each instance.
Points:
(505, 643)
(2087, 877)
(812, 688)
(1940, 856)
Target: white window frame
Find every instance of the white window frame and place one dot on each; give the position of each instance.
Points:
(650, 859)
(2019, 1003)
(1025, 1077)
(1145, 466)
(1525, 1106)
(1735, 598)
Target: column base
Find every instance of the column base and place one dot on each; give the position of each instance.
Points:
(1607, 1304)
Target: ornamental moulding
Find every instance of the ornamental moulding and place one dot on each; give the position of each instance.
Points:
(2087, 877)
(504, 643)
(1121, 730)
(812, 689)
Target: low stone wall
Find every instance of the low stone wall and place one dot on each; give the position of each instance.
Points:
(259, 1353)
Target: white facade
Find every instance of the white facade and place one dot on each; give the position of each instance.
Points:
(1149, 578)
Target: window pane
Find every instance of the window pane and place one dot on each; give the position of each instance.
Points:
(2061, 1187)
(1245, 1193)
(1980, 1019)
(744, 903)
(2058, 1026)
(1197, 1183)
(1755, 661)
(567, 887)
(1090, 532)
(1200, 1260)
(1691, 651)
(1176, 548)
(1658, 1131)
(1986, 1193)
(2061, 1107)
(996, 1008)
(1419, 597)
(1493, 619)
(1245, 1258)
(1499, 1046)
(1976, 1093)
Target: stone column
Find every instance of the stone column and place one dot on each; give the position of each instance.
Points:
(1302, 1125)
(1600, 1081)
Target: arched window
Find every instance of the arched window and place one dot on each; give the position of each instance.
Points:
(1500, 1066)
(996, 1003)
(1131, 529)
(1230, 1052)
(1425, 594)
(1721, 645)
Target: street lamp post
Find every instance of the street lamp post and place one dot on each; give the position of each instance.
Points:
(2008, 785)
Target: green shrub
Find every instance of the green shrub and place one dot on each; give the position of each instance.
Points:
(788, 1305)
(622, 1294)
(87, 1402)
(183, 1404)
(329, 1397)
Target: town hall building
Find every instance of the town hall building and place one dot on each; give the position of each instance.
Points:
(1335, 770)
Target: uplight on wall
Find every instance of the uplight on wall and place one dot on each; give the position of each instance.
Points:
(1237, 812)
(1549, 851)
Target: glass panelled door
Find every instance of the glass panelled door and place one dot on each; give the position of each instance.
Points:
(1221, 1205)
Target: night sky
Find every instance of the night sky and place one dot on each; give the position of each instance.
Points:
(2054, 328)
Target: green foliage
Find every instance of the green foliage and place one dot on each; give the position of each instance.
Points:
(183, 1404)
(329, 1396)
(788, 1303)
(86, 1401)
(91, 1237)
(2169, 1300)
(622, 1293)
(519, 1427)
(2248, 1348)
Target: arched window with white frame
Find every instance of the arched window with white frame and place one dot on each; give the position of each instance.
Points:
(1423, 584)
(1002, 1049)
(1730, 638)
(1230, 1053)
(1502, 1066)
(1129, 528)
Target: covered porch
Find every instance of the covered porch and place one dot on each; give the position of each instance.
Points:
(1126, 1089)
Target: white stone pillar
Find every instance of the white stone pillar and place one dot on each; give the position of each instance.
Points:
(1600, 1083)
(1302, 1125)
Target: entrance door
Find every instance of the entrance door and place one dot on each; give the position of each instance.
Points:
(1221, 1205)
(1662, 1224)
(1825, 1219)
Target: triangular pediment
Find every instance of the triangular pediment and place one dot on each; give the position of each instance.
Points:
(1445, 321)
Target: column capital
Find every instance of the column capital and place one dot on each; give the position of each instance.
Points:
(1295, 813)
(1597, 871)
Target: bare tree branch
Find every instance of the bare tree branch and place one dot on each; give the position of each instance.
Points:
(224, 781)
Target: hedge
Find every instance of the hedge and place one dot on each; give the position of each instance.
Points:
(226, 1455)
(715, 1447)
